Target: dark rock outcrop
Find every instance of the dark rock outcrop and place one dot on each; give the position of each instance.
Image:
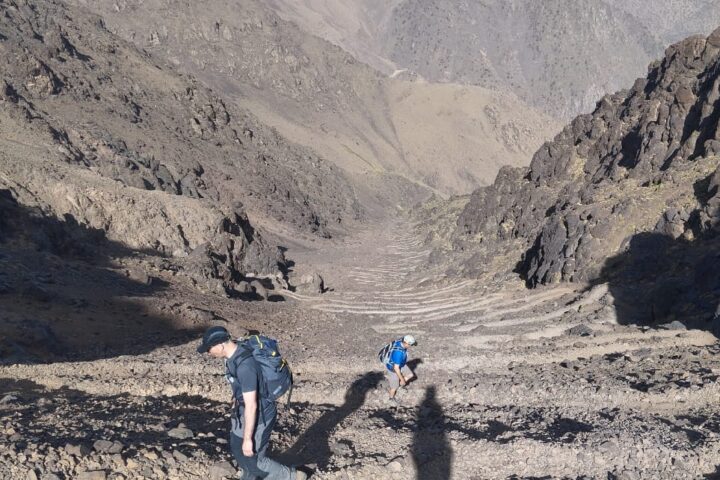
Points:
(645, 161)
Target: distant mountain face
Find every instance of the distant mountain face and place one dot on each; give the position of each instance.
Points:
(353, 25)
(450, 139)
(95, 132)
(673, 20)
(558, 55)
(627, 195)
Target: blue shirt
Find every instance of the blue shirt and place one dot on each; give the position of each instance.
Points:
(398, 356)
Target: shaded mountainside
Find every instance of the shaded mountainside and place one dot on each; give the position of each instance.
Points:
(626, 195)
(318, 95)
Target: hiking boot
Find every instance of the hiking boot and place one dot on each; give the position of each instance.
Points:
(300, 475)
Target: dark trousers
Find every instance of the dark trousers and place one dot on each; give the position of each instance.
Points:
(259, 465)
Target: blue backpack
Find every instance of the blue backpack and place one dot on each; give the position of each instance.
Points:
(277, 378)
(386, 352)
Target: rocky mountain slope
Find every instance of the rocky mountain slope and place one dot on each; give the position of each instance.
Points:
(545, 383)
(351, 24)
(672, 20)
(140, 171)
(626, 195)
(112, 110)
(560, 56)
(318, 95)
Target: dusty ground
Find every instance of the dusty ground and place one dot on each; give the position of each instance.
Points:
(505, 389)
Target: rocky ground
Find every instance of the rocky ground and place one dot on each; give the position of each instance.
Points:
(512, 383)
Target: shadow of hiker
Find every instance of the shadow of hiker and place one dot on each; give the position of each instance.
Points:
(413, 364)
(313, 446)
(431, 450)
(65, 295)
(658, 279)
(431, 424)
(673, 272)
(57, 417)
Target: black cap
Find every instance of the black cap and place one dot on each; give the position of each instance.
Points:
(213, 336)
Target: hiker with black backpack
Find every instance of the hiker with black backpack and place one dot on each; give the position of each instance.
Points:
(258, 376)
(394, 357)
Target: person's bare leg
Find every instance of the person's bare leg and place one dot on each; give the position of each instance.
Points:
(393, 391)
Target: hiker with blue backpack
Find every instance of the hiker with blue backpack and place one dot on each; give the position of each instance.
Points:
(394, 356)
(258, 376)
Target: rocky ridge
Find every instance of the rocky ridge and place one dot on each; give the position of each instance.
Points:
(626, 193)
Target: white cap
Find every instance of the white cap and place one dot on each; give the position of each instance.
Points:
(409, 339)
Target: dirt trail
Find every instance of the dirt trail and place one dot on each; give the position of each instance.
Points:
(505, 388)
(500, 375)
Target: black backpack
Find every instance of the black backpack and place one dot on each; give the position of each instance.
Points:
(275, 373)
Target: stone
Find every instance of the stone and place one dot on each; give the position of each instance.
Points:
(674, 325)
(394, 466)
(221, 470)
(312, 283)
(7, 399)
(259, 289)
(581, 330)
(78, 450)
(243, 287)
(150, 455)
(106, 446)
(181, 433)
(49, 476)
(92, 475)
(179, 456)
(714, 38)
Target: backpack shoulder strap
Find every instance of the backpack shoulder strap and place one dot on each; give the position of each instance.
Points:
(238, 359)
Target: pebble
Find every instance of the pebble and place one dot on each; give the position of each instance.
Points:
(106, 446)
(150, 455)
(77, 450)
(179, 456)
(7, 399)
(92, 475)
(181, 433)
(221, 470)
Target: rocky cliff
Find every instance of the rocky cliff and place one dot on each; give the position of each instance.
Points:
(627, 194)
